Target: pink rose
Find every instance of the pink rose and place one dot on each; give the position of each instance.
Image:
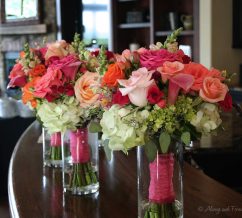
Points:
(56, 49)
(51, 80)
(213, 90)
(136, 87)
(130, 55)
(69, 65)
(122, 61)
(126, 54)
(152, 59)
(17, 76)
(85, 89)
(142, 50)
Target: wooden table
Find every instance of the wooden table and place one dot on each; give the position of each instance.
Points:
(35, 191)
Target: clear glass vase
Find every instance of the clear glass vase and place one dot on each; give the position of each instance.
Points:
(160, 184)
(52, 155)
(80, 164)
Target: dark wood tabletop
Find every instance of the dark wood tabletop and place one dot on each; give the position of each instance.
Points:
(35, 191)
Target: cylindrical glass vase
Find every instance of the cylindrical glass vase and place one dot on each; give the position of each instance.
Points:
(52, 156)
(160, 184)
(80, 164)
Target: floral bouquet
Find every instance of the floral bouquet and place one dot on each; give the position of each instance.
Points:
(60, 81)
(158, 97)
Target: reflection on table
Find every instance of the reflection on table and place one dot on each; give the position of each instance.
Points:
(35, 191)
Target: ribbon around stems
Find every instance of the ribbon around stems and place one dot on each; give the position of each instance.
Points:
(55, 139)
(161, 174)
(80, 151)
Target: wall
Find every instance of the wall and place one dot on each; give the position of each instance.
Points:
(216, 39)
(15, 42)
(223, 55)
(205, 31)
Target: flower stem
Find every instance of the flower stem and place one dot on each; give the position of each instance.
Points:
(55, 152)
(82, 175)
(156, 210)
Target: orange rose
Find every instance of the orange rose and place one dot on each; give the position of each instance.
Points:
(28, 92)
(112, 75)
(38, 70)
(213, 90)
(199, 72)
(84, 89)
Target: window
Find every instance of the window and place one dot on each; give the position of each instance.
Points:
(96, 21)
(14, 12)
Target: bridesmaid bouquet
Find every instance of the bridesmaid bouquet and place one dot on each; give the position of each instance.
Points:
(60, 82)
(158, 96)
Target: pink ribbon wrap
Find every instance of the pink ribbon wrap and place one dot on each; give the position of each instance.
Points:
(80, 151)
(161, 174)
(55, 139)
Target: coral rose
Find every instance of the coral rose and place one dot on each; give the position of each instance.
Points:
(52, 78)
(173, 71)
(69, 65)
(216, 74)
(213, 90)
(112, 75)
(17, 76)
(85, 89)
(199, 72)
(170, 69)
(56, 49)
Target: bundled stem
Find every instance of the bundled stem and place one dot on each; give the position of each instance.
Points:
(55, 152)
(156, 210)
(82, 175)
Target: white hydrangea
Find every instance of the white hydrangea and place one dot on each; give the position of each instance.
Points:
(118, 129)
(207, 118)
(60, 116)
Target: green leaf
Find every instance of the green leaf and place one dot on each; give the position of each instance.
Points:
(150, 149)
(95, 127)
(186, 138)
(165, 141)
(107, 150)
(197, 101)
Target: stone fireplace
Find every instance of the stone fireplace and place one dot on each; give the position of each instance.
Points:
(13, 38)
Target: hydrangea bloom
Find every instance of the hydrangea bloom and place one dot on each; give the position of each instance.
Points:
(60, 116)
